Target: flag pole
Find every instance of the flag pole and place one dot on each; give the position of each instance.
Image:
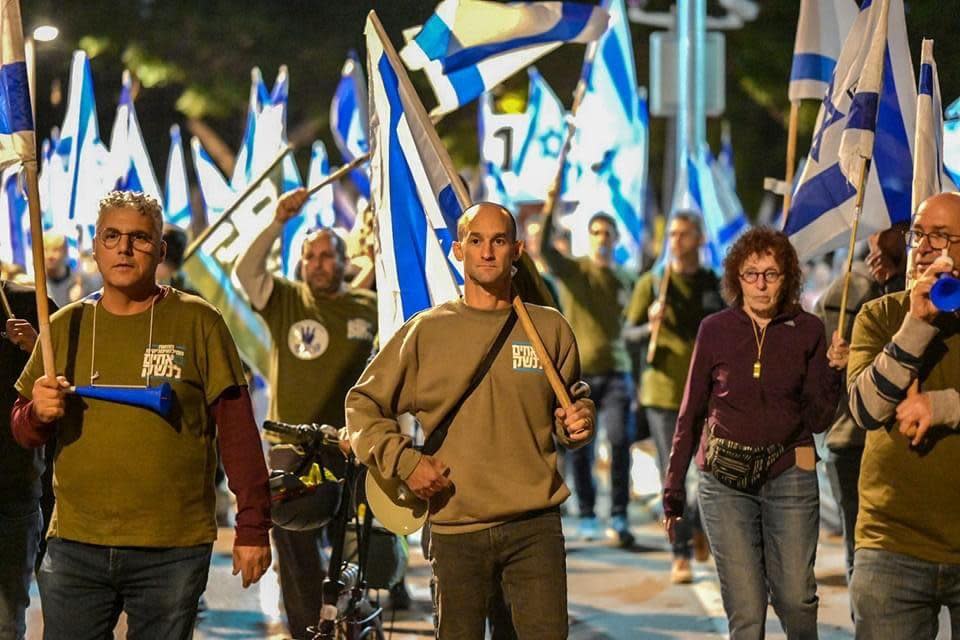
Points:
(858, 210)
(200, 239)
(791, 154)
(6, 303)
(463, 199)
(662, 301)
(339, 173)
(39, 270)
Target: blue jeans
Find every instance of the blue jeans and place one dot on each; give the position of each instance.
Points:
(613, 395)
(765, 546)
(897, 596)
(663, 424)
(19, 537)
(84, 587)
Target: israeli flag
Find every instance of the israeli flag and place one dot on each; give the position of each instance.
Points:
(415, 201)
(951, 142)
(609, 151)
(17, 139)
(520, 150)
(176, 203)
(928, 171)
(80, 166)
(348, 119)
(822, 211)
(15, 246)
(131, 168)
(470, 46)
(259, 96)
(214, 188)
(821, 29)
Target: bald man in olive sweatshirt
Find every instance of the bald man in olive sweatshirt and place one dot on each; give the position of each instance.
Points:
(494, 487)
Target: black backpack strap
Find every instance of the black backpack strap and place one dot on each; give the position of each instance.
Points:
(438, 435)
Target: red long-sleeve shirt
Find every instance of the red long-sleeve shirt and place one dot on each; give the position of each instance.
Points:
(240, 451)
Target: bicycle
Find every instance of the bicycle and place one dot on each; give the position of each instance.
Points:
(346, 613)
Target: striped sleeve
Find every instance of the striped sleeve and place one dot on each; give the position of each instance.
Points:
(881, 370)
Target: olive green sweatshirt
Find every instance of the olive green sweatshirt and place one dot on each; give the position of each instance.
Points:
(501, 446)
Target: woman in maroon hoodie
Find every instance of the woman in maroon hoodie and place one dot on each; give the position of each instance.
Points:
(759, 387)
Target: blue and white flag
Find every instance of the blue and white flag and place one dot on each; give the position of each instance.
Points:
(130, 166)
(856, 143)
(349, 121)
(15, 246)
(928, 171)
(951, 142)
(214, 188)
(470, 46)
(609, 150)
(80, 166)
(821, 29)
(413, 194)
(259, 96)
(17, 139)
(519, 151)
(822, 210)
(176, 203)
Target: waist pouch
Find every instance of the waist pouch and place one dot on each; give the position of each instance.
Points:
(740, 466)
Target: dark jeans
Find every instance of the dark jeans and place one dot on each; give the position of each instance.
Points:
(663, 424)
(524, 557)
(19, 537)
(302, 569)
(897, 596)
(765, 546)
(843, 469)
(84, 588)
(613, 395)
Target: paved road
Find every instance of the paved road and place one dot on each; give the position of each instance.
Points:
(614, 594)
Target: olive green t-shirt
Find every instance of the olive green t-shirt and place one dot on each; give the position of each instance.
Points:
(320, 347)
(593, 299)
(690, 298)
(124, 475)
(908, 496)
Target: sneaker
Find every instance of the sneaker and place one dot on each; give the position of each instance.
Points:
(680, 572)
(589, 529)
(621, 527)
(701, 547)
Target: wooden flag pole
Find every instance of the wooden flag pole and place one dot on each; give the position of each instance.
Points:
(200, 239)
(662, 302)
(841, 321)
(39, 269)
(6, 303)
(791, 154)
(463, 198)
(339, 173)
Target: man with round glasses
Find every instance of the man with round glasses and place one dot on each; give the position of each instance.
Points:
(134, 522)
(904, 376)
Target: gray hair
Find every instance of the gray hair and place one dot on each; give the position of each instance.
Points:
(142, 203)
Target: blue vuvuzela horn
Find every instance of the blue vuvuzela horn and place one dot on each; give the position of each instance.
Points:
(157, 399)
(945, 294)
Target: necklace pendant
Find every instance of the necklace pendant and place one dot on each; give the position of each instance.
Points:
(756, 369)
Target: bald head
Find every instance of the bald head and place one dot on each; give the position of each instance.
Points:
(946, 203)
(486, 208)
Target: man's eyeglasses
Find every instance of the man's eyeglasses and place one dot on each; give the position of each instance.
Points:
(938, 241)
(769, 276)
(141, 240)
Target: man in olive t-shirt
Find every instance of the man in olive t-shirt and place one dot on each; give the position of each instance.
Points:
(593, 295)
(134, 521)
(322, 334)
(692, 294)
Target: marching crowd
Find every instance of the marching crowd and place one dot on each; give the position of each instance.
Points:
(727, 372)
